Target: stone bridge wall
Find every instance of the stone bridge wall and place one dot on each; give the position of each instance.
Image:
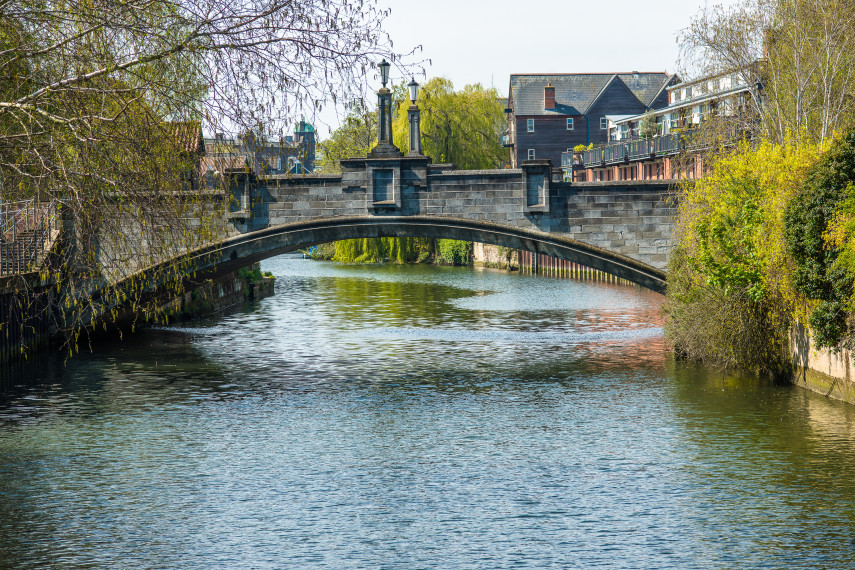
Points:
(634, 219)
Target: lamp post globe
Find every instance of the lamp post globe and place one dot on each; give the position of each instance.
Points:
(384, 71)
(414, 90)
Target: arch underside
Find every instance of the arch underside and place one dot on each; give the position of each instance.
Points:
(255, 246)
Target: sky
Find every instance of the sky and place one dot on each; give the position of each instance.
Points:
(479, 41)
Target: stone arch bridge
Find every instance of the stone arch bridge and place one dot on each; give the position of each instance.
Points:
(621, 228)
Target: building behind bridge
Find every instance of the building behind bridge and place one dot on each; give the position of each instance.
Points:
(676, 148)
(292, 154)
(549, 114)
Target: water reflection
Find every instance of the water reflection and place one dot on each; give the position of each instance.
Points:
(404, 417)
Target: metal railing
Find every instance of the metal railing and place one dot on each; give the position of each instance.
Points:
(630, 150)
(25, 229)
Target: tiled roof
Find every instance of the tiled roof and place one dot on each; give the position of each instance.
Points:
(645, 86)
(576, 92)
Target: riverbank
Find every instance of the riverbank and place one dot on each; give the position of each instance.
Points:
(223, 293)
(764, 250)
(29, 325)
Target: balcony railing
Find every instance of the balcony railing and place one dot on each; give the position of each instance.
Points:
(568, 159)
(507, 140)
(631, 150)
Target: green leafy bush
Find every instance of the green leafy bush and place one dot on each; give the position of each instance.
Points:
(730, 300)
(455, 252)
(819, 223)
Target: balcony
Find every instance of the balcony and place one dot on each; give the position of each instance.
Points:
(615, 153)
(638, 149)
(507, 140)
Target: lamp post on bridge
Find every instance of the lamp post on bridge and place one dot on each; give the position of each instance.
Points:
(415, 120)
(385, 147)
(389, 176)
(384, 109)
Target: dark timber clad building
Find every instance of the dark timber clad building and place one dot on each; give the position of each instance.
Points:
(551, 113)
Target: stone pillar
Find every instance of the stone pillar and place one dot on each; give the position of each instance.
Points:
(384, 106)
(415, 130)
(384, 148)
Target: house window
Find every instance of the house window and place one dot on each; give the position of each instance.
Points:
(531, 154)
(570, 124)
(604, 123)
(531, 125)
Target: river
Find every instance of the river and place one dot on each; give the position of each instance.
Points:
(418, 417)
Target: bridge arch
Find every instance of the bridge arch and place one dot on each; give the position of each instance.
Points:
(240, 250)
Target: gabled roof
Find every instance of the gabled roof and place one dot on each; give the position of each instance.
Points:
(575, 93)
(645, 86)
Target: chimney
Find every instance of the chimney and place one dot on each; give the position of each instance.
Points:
(549, 96)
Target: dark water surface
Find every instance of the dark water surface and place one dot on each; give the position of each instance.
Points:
(418, 417)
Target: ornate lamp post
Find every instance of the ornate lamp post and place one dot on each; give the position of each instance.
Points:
(384, 104)
(414, 116)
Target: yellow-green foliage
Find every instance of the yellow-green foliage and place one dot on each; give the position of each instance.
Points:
(730, 296)
(455, 252)
(374, 250)
(841, 230)
(463, 127)
(730, 222)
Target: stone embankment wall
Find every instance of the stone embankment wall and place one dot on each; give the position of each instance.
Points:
(31, 305)
(486, 255)
(225, 292)
(822, 370)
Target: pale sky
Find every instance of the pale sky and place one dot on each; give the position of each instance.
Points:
(477, 41)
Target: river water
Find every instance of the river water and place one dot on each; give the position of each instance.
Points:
(418, 417)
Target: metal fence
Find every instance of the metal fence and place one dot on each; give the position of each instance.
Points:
(25, 229)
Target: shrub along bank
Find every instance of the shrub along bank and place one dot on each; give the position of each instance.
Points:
(765, 241)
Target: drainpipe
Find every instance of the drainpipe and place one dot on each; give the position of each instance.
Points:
(587, 131)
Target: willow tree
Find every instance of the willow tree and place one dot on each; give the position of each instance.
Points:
(102, 106)
(462, 127)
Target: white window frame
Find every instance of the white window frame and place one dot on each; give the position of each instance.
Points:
(604, 123)
(569, 123)
(531, 154)
(530, 125)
